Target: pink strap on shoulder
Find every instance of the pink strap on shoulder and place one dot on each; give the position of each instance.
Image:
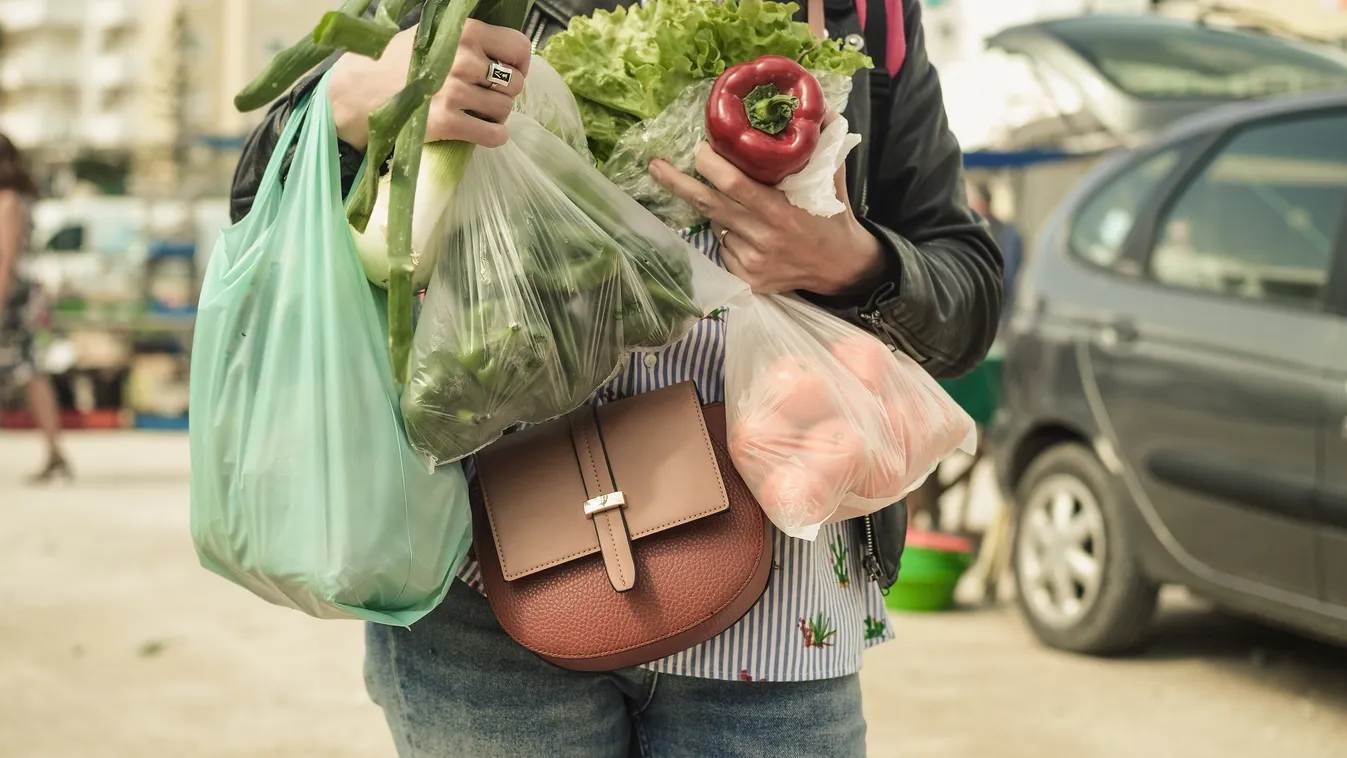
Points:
(896, 49)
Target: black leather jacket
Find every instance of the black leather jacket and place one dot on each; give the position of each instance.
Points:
(941, 293)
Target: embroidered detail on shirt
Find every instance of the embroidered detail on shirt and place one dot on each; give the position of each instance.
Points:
(874, 628)
(818, 631)
(838, 548)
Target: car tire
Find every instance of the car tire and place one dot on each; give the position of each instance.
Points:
(1121, 600)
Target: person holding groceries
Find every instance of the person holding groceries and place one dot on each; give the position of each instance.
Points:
(909, 261)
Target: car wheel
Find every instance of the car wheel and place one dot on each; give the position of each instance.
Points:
(1077, 580)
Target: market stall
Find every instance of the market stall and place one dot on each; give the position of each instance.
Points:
(122, 304)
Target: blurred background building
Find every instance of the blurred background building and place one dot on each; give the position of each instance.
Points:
(130, 95)
(124, 110)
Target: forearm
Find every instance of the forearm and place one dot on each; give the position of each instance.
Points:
(943, 306)
(262, 143)
(939, 294)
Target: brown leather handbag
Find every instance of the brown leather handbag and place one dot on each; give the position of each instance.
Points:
(620, 534)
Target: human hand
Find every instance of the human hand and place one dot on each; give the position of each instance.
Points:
(466, 108)
(768, 242)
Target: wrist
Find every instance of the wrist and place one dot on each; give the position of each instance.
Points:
(862, 270)
(351, 120)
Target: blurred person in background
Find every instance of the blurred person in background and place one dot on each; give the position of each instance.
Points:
(1012, 245)
(18, 306)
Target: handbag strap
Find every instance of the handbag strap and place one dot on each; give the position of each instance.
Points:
(606, 502)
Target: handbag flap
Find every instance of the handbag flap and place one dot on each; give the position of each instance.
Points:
(660, 457)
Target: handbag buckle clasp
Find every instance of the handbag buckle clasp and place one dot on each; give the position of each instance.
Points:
(602, 503)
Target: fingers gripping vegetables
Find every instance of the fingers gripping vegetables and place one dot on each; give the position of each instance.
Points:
(643, 75)
(400, 122)
(765, 117)
(545, 98)
(674, 135)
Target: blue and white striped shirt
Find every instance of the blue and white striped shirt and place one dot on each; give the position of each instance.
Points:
(819, 611)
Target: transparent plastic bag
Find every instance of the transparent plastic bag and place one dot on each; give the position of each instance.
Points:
(547, 100)
(825, 423)
(549, 277)
(674, 135)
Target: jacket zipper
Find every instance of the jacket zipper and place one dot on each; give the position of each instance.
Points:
(871, 560)
(884, 328)
(539, 24)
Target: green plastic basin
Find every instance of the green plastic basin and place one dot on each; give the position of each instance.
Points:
(927, 579)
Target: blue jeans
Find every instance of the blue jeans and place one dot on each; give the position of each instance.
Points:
(455, 685)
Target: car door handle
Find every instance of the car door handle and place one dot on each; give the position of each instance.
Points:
(1118, 333)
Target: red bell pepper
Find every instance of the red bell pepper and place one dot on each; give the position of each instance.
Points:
(765, 116)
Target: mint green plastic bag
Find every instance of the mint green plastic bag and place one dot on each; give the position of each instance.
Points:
(304, 488)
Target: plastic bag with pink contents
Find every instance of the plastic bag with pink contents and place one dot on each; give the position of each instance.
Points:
(825, 422)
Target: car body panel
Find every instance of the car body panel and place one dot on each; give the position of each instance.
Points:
(1215, 410)
(1332, 495)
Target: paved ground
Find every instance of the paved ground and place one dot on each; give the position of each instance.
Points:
(114, 644)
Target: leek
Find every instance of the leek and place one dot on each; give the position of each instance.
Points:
(442, 165)
(338, 31)
(290, 64)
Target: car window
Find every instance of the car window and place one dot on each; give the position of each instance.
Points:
(1100, 229)
(1260, 220)
(1156, 61)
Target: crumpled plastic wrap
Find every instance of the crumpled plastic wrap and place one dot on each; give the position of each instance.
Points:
(814, 187)
(548, 101)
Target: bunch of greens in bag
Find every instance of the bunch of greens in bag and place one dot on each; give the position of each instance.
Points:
(549, 276)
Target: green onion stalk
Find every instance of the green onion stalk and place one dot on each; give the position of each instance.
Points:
(398, 127)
